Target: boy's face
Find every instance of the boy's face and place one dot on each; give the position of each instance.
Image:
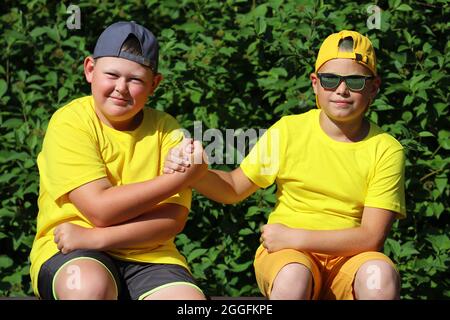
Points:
(120, 88)
(341, 104)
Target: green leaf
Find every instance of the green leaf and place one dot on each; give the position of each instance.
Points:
(441, 183)
(253, 210)
(191, 27)
(62, 93)
(3, 87)
(439, 242)
(407, 116)
(393, 246)
(260, 26)
(5, 262)
(444, 139)
(260, 11)
(13, 123)
(246, 232)
(426, 134)
(408, 249)
(404, 7)
(196, 253)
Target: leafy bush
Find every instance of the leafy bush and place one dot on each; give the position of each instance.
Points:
(234, 64)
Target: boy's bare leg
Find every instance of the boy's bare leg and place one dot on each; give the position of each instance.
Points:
(377, 280)
(85, 279)
(178, 292)
(293, 282)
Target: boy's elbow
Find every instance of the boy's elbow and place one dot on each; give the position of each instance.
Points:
(97, 217)
(179, 226)
(231, 198)
(179, 221)
(97, 221)
(375, 244)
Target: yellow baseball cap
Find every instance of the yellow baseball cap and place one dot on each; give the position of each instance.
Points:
(363, 51)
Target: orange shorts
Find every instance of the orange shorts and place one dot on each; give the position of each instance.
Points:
(333, 276)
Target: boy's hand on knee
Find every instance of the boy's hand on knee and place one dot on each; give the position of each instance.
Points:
(178, 158)
(69, 237)
(277, 236)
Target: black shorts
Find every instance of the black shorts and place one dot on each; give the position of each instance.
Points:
(134, 280)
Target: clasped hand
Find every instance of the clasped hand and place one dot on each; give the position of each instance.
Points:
(187, 156)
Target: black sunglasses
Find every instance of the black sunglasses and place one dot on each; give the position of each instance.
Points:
(353, 82)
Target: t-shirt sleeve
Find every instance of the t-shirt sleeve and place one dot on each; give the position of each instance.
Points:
(70, 156)
(171, 136)
(386, 189)
(262, 164)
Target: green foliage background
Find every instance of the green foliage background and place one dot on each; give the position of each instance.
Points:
(234, 64)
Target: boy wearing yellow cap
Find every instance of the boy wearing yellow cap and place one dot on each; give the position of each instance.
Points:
(340, 184)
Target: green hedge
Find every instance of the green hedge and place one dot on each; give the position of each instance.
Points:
(234, 64)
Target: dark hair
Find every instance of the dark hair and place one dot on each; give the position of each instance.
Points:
(346, 44)
(132, 45)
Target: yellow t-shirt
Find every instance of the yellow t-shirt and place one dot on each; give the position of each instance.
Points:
(323, 184)
(79, 148)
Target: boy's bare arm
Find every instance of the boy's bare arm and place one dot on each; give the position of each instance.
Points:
(149, 230)
(370, 236)
(105, 205)
(225, 187)
(217, 185)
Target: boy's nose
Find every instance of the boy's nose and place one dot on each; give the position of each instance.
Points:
(121, 85)
(342, 89)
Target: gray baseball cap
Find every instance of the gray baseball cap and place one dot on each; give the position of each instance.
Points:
(112, 38)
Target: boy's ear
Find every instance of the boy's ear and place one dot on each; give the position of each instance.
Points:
(89, 68)
(314, 81)
(376, 83)
(157, 78)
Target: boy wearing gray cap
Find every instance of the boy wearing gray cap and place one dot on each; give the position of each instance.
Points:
(107, 216)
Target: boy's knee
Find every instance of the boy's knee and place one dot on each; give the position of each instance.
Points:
(85, 280)
(178, 292)
(377, 280)
(293, 282)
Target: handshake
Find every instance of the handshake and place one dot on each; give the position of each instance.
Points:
(188, 158)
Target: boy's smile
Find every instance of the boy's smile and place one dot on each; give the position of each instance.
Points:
(120, 88)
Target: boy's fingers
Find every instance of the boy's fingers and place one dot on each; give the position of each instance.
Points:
(176, 164)
(176, 160)
(189, 148)
(198, 152)
(184, 145)
(168, 171)
(176, 152)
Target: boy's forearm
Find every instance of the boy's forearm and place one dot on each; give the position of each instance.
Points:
(146, 231)
(122, 203)
(345, 242)
(218, 186)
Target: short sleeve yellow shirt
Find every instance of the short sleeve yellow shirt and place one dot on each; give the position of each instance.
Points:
(323, 184)
(79, 148)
